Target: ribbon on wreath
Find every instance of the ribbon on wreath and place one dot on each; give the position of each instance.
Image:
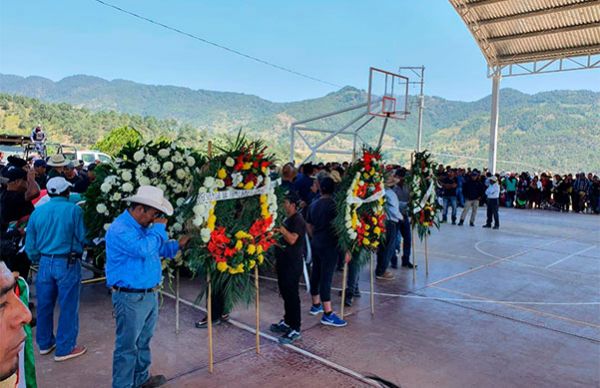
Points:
(355, 200)
(236, 193)
(429, 195)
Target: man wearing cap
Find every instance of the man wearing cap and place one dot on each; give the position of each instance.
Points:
(55, 239)
(493, 195)
(289, 264)
(39, 166)
(15, 205)
(393, 217)
(135, 243)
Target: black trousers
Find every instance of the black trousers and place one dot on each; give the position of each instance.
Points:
(492, 212)
(323, 266)
(289, 271)
(387, 250)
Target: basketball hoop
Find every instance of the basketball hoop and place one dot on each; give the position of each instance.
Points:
(388, 106)
(387, 94)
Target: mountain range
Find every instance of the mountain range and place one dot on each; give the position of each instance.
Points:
(556, 130)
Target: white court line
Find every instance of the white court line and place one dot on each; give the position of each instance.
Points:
(571, 255)
(480, 300)
(243, 326)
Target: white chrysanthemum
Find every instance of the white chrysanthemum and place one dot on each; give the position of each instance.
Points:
(219, 183)
(127, 187)
(199, 209)
(163, 153)
(176, 227)
(190, 161)
(180, 174)
(198, 221)
(168, 166)
(229, 162)
(105, 187)
(205, 235)
(209, 182)
(173, 146)
(106, 226)
(101, 208)
(116, 197)
(155, 167)
(162, 187)
(144, 181)
(139, 155)
(202, 190)
(180, 201)
(126, 175)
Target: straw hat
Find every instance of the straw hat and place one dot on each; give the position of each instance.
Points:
(153, 197)
(335, 176)
(57, 160)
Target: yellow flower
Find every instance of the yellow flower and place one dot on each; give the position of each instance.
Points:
(232, 271)
(375, 244)
(251, 249)
(239, 245)
(249, 186)
(367, 227)
(259, 249)
(251, 264)
(247, 166)
(264, 170)
(374, 219)
(222, 266)
(377, 230)
(241, 235)
(365, 175)
(210, 224)
(240, 268)
(240, 185)
(366, 241)
(222, 174)
(372, 172)
(260, 258)
(263, 199)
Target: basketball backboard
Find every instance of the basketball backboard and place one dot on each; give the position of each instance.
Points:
(387, 94)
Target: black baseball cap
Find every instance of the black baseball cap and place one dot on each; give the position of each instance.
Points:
(14, 173)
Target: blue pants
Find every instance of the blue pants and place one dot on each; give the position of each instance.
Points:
(57, 280)
(452, 202)
(406, 239)
(136, 316)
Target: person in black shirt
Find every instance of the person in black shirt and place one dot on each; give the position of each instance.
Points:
(473, 190)
(449, 185)
(40, 173)
(289, 255)
(15, 205)
(321, 215)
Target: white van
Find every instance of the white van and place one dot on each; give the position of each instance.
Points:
(88, 156)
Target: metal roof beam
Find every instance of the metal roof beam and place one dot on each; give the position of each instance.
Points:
(543, 32)
(539, 12)
(482, 3)
(549, 54)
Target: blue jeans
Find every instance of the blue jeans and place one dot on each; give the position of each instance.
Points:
(452, 202)
(57, 280)
(136, 315)
(387, 250)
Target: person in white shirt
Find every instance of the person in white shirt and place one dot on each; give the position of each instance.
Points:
(492, 193)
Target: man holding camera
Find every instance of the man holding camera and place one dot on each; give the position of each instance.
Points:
(55, 239)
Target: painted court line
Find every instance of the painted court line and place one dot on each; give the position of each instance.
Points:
(571, 255)
(243, 326)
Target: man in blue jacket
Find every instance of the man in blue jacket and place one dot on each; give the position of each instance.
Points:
(135, 243)
(55, 238)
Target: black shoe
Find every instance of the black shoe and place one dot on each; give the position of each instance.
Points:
(280, 327)
(409, 265)
(460, 223)
(155, 381)
(394, 266)
(356, 294)
(444, 220)
(486, 226)
(471, 224)
(496, 227)
(348, 302)
(454, 221)
(290, 337)
(203, 324)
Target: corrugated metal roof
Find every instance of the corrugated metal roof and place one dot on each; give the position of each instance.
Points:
(519, 31)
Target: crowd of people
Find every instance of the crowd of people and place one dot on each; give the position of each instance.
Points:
(41, 196)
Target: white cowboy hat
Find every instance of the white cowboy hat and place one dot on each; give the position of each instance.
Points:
(57, 160)
(153, 197)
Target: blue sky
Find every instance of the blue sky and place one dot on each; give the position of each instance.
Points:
(333, 40)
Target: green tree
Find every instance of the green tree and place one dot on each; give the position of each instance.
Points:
(117, 138)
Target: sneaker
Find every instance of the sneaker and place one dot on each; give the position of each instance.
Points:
(203, 324)
(315, 310)
(155, 381)
(461, 222)
(471, 224)
(43, 352)
(289, 337)
(333, 320)
(280, 327)
(387, 275)
(348, 302)
(76, 352)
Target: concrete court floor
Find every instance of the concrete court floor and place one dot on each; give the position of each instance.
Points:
(483, 331)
